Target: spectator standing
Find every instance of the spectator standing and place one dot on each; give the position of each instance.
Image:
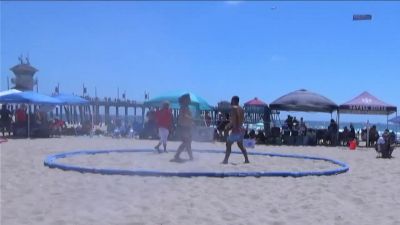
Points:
(332, 131)
(5, 119)
(185, 122)
(164, 123)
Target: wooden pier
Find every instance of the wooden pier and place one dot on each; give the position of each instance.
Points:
(97, 107)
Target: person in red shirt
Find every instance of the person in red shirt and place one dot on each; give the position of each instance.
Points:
(164, 123)
(20, 115)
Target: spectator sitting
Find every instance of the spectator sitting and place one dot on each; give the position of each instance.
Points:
(252, 134)
(86, 127)
(289, 122)
(260, 139)
(385, 145)
(57, 126)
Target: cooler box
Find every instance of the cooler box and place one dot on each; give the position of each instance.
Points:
(353, 145)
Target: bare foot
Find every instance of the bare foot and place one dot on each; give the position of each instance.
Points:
(176, 159)
(158, 149)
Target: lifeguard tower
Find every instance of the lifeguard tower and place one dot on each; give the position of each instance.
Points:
(24, 75)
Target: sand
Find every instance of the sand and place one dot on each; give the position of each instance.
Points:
(34, 194)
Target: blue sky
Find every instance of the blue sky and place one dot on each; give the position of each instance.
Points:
(214, 49)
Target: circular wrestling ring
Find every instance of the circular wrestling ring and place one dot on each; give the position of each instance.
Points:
(51, 162)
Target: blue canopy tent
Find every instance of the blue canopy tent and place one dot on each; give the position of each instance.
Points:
(173, 97)
(29, 97)
(7, 92)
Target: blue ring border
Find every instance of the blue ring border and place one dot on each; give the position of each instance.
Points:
(50, 161)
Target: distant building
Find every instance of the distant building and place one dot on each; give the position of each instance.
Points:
(24, 75)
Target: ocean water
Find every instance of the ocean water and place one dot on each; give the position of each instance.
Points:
(357, 125)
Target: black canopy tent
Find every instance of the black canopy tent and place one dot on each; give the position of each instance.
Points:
(304, 101)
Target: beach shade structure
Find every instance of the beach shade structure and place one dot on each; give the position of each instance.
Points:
(255, 105)
(303, 101)
(29, 97)
(254, 110)
(365, 103)
(69, 99)
(7, 92)
(172, 97)
(255, 102)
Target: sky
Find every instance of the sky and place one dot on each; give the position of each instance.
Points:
(215, 49)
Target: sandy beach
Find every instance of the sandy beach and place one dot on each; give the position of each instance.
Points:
(34, 194)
